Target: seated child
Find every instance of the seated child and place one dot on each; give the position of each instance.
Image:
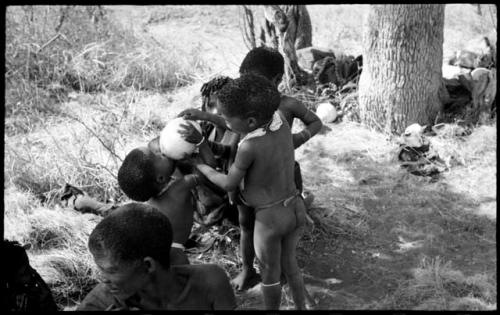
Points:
(131, 248)
(212, 204)
(146, 175)
(264, 165)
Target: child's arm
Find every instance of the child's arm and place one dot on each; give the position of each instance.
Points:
(196, 114)
(312, 122)
(243, 160)
(191, 135)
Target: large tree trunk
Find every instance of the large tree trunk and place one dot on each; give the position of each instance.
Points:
(285, 19)
(402, 60)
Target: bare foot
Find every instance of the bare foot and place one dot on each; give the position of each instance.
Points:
(245, 280)
(308, 198)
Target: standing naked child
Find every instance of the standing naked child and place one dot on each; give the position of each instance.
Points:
(264, 165)
(269, 63)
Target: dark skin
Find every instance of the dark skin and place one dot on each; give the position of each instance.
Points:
(266, 164)
(159, 287)
(175, 201)
(290, 108)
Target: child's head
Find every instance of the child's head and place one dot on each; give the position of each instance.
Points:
(264, 61)
(209, 91)
(248, 102)
(129, 244)
(144, 174)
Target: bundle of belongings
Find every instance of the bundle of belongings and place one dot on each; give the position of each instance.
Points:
(416, 155)
(24, 289)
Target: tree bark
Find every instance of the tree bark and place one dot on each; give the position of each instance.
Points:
(402, 61)
(247, 26)
(285, 22)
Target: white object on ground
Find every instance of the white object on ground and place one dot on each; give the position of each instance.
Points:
(413, 136)
(172, 144)
(326, 112)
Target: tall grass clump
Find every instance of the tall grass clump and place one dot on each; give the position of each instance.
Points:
(53, 50)
(58, 239)
(437, 286)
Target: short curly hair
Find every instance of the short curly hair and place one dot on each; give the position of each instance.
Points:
(265, 61)
(136, 176)
(214, 85)
(132, 232)
(211, 88)
(250, 95)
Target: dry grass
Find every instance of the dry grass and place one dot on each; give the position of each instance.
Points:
(109, 57)
(59, 244)
(437, 286)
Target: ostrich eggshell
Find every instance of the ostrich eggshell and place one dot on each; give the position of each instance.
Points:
(171, 142)
(326, 112)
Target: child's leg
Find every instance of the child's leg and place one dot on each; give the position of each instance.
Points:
(289, 256)
(268, 250)
(248, 276)
(298, 177)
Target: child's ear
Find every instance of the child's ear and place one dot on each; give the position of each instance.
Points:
(277, 79)
(160, 178)
(252, 122)
(150, 264)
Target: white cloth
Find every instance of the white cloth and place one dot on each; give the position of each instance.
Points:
(177, 245)
(274, 125)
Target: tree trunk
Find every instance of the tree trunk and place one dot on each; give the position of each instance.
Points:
(247, 26)
(285, 21)
(402, 61)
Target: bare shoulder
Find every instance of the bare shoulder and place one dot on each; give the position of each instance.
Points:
(292, 107)
(290, 102)
(209, 273)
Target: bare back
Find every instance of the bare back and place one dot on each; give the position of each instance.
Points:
(270, 177)
(178, 205)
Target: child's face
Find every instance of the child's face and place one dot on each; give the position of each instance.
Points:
(162, 164)
(122, 279)
(154, 146)
(211, 104)
(235, 124)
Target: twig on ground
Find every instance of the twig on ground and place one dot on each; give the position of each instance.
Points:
(98, 138)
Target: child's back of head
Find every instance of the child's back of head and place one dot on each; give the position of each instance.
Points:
(209, 91)
(132, 232)
(137, 176)
(250, 95)
(265, 61)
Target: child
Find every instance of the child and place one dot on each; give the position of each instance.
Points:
(264, 164)
(131, 248)
(211, 203)
(269, 63)
(147, 175)
(248, 277)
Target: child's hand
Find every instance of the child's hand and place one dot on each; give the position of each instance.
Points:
(190, 133)
(192, 114)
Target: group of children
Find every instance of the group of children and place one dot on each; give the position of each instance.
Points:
(245, 162)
